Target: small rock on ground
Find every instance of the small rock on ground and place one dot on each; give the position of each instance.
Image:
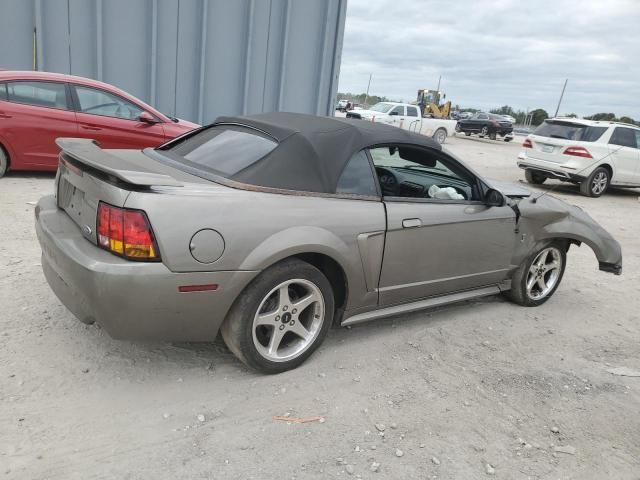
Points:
(489, 469)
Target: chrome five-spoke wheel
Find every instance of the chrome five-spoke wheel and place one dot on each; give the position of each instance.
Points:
(544, 273)
(288, 320)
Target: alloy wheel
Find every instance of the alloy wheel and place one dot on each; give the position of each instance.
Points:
(485, 131)
(544, 273)
(441, 136)
(599, 183)
(288, 320)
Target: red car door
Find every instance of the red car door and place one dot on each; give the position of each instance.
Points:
(114, 121)
(32, 115)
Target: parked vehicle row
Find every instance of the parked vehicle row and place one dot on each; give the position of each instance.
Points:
(38, 107)
(270, 228)
(592, 154)
(407, 117)
(486, 125)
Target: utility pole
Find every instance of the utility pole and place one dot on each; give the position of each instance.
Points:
(366, 96)
(561, 95)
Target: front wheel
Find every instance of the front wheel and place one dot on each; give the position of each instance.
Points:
(281, 317)
(538, 277)
(4, 162)
(596, 184)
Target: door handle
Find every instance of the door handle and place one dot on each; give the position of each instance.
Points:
(411, 223)
(4, 115)
(87, 127)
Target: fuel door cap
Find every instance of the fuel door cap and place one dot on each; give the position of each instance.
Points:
(206, 245)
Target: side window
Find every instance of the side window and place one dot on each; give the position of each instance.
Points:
(420, 173)
(3, 91)
(412, 112)
(99, 102)
(40, 94)
(637, 132)
(399, 110)
(625, 137)
(483, 116)
(357, 177)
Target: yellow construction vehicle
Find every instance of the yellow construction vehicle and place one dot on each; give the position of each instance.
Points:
(429, 102)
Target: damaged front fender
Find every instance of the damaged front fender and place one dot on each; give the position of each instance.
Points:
(547, 218)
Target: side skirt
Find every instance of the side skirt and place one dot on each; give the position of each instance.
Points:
(425, 304)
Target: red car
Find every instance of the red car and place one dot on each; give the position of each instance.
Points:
(38, 107)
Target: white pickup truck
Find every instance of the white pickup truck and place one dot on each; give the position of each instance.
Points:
(406, 116)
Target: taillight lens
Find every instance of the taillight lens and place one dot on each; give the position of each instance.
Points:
(527, 143)
(577, 152)
(126, 233)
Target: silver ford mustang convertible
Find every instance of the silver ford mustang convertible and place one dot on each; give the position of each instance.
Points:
(270, 228)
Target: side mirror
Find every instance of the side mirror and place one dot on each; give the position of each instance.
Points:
(146, 117)
(393, 113)
(494, 198)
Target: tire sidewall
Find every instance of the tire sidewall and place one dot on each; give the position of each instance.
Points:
(524, 269)
(589, 182)
(4, 162)
(249, 301)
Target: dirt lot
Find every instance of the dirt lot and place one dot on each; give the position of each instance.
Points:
(456, 389)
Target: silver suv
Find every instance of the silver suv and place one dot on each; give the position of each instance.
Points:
(590, 153)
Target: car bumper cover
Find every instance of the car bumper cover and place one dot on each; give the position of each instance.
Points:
(130, 300)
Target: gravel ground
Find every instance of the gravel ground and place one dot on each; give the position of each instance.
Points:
(476, 390)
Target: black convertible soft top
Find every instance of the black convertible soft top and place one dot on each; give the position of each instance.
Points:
(312, 151)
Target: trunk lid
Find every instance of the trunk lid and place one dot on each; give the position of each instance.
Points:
(88, 175)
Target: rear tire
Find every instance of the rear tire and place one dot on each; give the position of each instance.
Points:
(264, 328)
(534, 178)
(4, 161)
(440, 136)
(597, 183)
(539, 275)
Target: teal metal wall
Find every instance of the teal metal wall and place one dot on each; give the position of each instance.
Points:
(195, 59)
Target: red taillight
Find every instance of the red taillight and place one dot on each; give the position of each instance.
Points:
(126, 232)
(527, 143)
(578, 152)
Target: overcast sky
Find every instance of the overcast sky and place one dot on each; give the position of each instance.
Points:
(498, 52)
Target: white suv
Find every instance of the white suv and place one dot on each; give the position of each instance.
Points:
(590, 153)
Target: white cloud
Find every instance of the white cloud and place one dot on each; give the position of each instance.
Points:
(498, 52)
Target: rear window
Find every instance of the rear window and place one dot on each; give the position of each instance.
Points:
(222, 150)
(3, 91)
(569, 131)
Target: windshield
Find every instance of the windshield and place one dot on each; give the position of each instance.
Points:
(381, 107)
(569, 131)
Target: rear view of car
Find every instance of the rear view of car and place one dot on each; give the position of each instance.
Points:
(591, 154)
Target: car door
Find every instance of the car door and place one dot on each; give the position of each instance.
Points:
(434, 246)
(32, 115)
(113, 120)
(412, 122)
(625, 156)
(397, 116)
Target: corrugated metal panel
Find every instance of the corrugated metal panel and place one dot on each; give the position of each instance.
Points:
(196, 59)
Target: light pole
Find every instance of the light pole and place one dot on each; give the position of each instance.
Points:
(366, 96)
(561, 95)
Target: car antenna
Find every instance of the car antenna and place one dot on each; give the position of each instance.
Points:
(535, 199)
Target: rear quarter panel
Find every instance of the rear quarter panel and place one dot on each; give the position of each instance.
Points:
(260, 229)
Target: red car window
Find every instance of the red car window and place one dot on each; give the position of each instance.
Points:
(99, 102)
(41, 94)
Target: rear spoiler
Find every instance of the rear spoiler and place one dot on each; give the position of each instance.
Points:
(87, 152)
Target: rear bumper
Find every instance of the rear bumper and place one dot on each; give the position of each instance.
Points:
(550, 170)
(130, 300)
